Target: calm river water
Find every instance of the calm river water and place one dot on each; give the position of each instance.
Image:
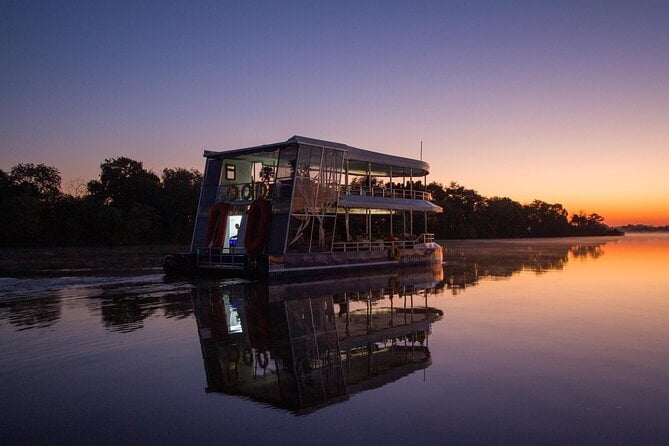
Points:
(560, 341)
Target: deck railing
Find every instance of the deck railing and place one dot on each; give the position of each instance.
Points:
(234, 257)
(221, 257)
(369, 245)
(376, 191)
(425, 238)
(255, 190)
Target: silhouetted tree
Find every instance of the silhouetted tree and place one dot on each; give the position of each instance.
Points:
(40, 181)
(27, 196)
(547, 220)
(20, 222)
(125, 185)
(180, 193)
(503, 218)
(437, 191)
(461, 207)
(124, 182)
(5, 184)
(592, 224)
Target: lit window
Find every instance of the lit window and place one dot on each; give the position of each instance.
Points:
(230, 172)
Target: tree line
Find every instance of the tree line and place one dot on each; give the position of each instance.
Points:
(129, 204)
(645, 228)
(467, 214)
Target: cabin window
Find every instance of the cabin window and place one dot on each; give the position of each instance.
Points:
(230, 172)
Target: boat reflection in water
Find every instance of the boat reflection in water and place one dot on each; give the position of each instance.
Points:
(303, 346)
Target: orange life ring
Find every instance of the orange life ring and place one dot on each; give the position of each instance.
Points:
(259, 214)
(247, 356)
(218, 220)
(233, 192)
(262, 359)
(261, 190)
(394, 253)
(247, 191)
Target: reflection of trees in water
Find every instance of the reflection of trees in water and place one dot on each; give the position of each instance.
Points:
(33, 313)
(126, 313)
(467, 263)
(119, 312)
(583, 251)
(180, 308)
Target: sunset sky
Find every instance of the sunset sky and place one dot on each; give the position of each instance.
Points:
(567, 102)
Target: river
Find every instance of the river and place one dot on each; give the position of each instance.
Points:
(552, 341)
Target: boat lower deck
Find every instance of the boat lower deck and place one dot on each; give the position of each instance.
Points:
(288, 266)
(216, 259)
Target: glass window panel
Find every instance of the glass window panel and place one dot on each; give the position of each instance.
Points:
(299, 234)
(304, 161)
(323, 233)
(283, 185)
(286, 164)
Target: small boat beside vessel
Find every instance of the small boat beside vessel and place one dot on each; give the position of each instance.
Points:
(307, 206)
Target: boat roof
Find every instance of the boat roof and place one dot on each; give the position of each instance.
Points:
(359, 160)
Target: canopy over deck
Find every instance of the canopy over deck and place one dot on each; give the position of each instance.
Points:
(399, 204)
(359, 161)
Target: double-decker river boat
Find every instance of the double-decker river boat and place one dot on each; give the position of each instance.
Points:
(309, 207)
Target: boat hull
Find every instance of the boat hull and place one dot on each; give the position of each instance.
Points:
(324, 264)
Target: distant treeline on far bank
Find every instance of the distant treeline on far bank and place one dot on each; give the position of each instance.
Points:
(129, 204)
(644, 228)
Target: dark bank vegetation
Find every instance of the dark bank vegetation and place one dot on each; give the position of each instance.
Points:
(127, 205)
(467, 214)
(131, 205)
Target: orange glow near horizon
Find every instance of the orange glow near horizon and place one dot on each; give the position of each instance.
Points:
(619, 203)
(629, 215)
(627, 210)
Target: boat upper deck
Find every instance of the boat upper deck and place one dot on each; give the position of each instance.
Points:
(367, 179)
(359, 161)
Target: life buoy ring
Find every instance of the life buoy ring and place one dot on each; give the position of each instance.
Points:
(262, 359)
(260, 213)
(394, 253)
(234, 354)
(394, 284)
(218, 220)
(261, 190)
(247, 191)
(247, 356)
(233, 192)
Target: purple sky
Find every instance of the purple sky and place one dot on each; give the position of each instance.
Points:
(563, 101)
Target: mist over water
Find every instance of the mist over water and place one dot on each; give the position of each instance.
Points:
(514, 341)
